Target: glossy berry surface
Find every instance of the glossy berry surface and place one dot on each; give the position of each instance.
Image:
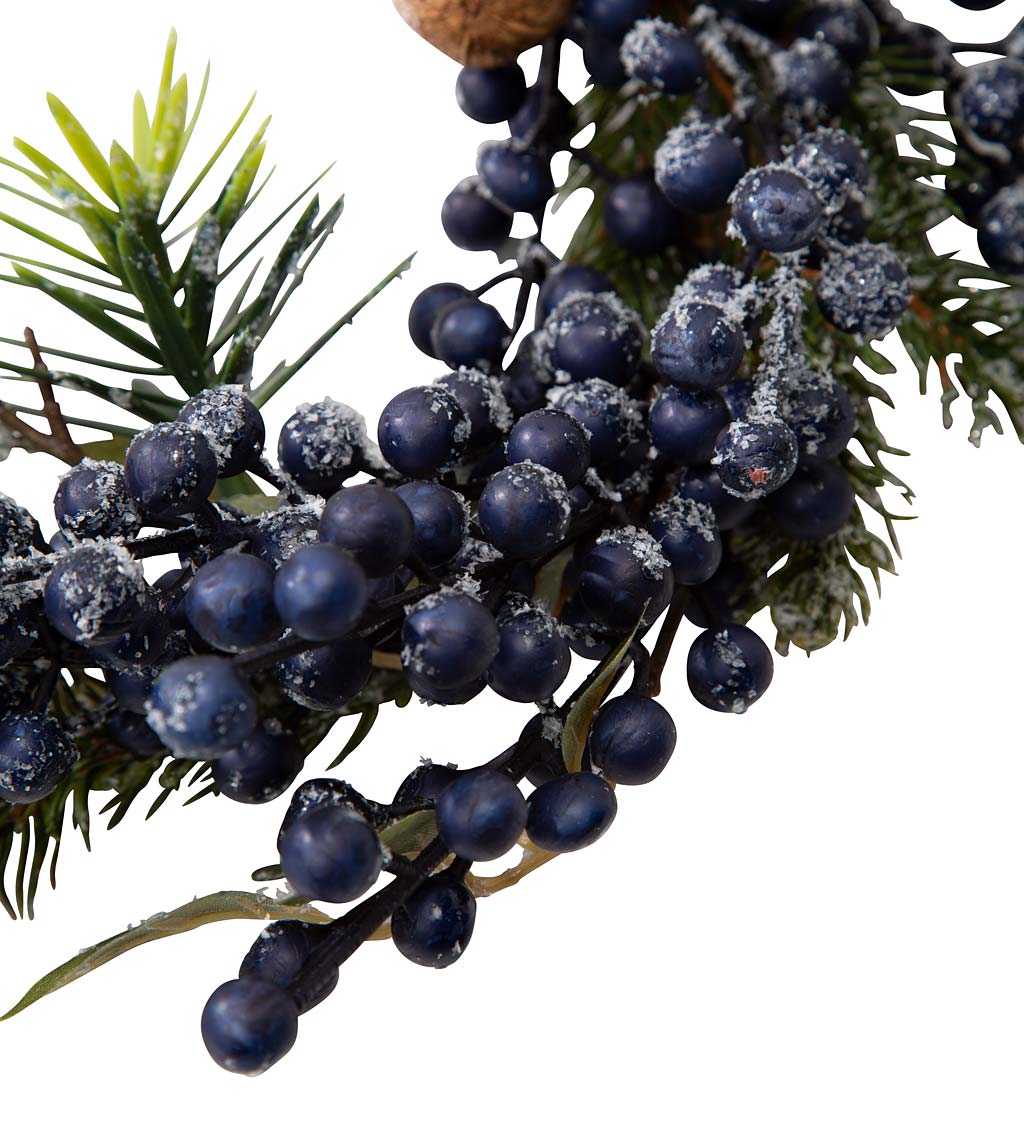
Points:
(471, 221)
(815, 503)
(427, 307)
(372, 524)
(703, 484)
(230, 602)
(663, 56)
(425, 783)
(326, 677)
(697, 346)
(846, 25)
(566, 279)
(481, 815)
(92, 501)
(281, 532)
(95, 593)
(570, 812)
(697, 166)
(470, 333)
(439, 521)
(422, 431)
(448, 639)
(729, 668)
(553, 439)
(592, 335)
(612, 419)
(320, 592)
(169, 470)
(260, 768)
(603, 60)
(684, 425)
(322, 445)
(331, 853)
(688, 534)
(524, 510)
(638, 217)
(756, 458)
(515, 176)
(231, 424)
(613, 17)
(776, 209)
(201, 707)
(834, 163)
(434, 925)
(631, 740)
(624, 572)
(36, 755)
(484, 404)
(249, 1024)
(533, 657)
(490, 94)
(279, 954)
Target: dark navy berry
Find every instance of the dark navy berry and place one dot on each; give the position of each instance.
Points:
(524, 510)
(776, 209)
(812, 77)
(613, 17)
(249, 1024)
(992, 100)
(638, 217)
(570, 812)
(322, 445)
(819, 411)
(533, 657)
(423, 430)
(481, 815)
(439, 521)
(140, 645)
(514, 175)
(281, 951)
(697, 166)
(834, 163)
(331, 853)
(19, 531)
(327, 677)
(261, 767)
(92, 501)
(372, 524)
(612, 419)
(483, 402)
(625, 575)
(553, 439)
(714, 283)
(230, 602)
(526, 382)
(320, 592)
(131, 685)
(169, 470)
(698, 346)
(687, 532)
(434, 925)
(846, 24)
(756, 458)
(602, 58)
(36, 755)
(631, 740)
(132, 732)
(21, 616)
(566, 279)
(1001, 230)
(426, 690)
(281, 532)
(448, 639)
(816, 502)
(684, 425)
(95, 593)
(526, 125)
(864, 290)
(729, 669)
(231, 424)
(201, 707)
(470, 333)
(592, 336)
(703, 484)
(663, 56)
(490, 94)
(471, 221)
(425, 783)
(427, 308)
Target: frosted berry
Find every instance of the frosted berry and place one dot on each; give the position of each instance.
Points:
(756, 458)
(728, 669)
(624, 576)
(815, 503)
(697, 346)
(423, 430)
(326, 677)
(448, 639)
(439, 521)
(524, 510)
(663, 56)
(864, 290)
(36, 755)
(169, 470)
(201, 707)
(515, 176)
(92, 501)
(331, 853)
(638, 217)
(684, 425)
(260, 768)
(322, 445)
(697, 166)
(688, 535)
(372, 524)
(553, 439)
(776, 209)
(231, 424)
(533, 657)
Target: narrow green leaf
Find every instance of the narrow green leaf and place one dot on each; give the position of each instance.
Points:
(168, 139)
(367, 718)
(92, 218)
(164, 89)
(111, 450)
(60, 182)
(82, 145)
(200, 101)
(129, 189)
(216, 908)
(56, 243)
(91, 279)
(142, 134)
(200, 281)
(232, 199)
(410, 834)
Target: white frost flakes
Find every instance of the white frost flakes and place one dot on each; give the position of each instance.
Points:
(220, 415)
(551, 728)
(644, 548)
(95, 581)
(680, 515)
(859, 285)
(328, 434)
(642, 51)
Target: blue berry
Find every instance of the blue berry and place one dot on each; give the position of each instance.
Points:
(140, 645)
(36, 755)
(685, 425)
(729, 669)
(95, 593)
(526, 381)
(425, 783)
(426, 690)
(131, 685)
(663, 56)
(281, 532)
(570, 812)
(593, 335)
(132, 732)
(756, 458)
(812, 77)
(434, 925)
(481, 815)
(819, 411)
(201, 707)
(260, 768)
(331, 853)
(612, 419)
(631, 740)
(281, 951)
(602, 58)
(834, 163)
(557, 109)
(697, 346)
(687, 532)
(815, 503)
(327, 677)
(230, 602)
(776, 209)
(427, 307)
(625, 575)
(19, 531)
(739, 397)
(231, 424)
(553, 439)
(638, 217)
(20, 620)
(992, 100)
(587, 637)
(864, 290)
(704, 485)
(483, 402)
(524, 510)
(320, 592)
(515, 176)
(439, 521)
(566, 279)
(697, 166)
(169, 470)
(249, 1024)
(423, 430)
(533, 657)
(372, 524)
(613, 17)
(448, 639)
(490, 94)
(471, 221)
(1001, 230)
(92, 501)
(846, 24)
(470, 333)
(322, 445)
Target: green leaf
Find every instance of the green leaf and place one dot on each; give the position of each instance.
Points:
(82, 145)
(367, 718)
(166, 75)
(113, 449)
(410, 834)
(142, 134)
(168, 139)
(61, 182)
(200, 281)
(232, 199)
(129, 189)
(216, 908)
(57, 244)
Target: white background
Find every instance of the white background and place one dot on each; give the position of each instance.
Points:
(814, 917)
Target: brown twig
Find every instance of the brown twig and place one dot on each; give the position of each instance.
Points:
(59, 441)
